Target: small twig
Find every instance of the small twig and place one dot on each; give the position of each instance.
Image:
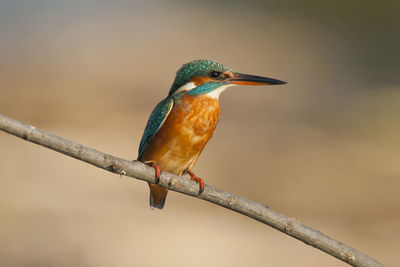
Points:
(183, 185)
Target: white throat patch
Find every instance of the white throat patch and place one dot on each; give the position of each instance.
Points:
(215, 93)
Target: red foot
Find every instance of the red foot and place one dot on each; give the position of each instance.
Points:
(197, 179)
(157, 169)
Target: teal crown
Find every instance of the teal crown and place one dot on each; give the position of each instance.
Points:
(201, 67)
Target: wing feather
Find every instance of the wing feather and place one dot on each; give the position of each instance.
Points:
(156, 120)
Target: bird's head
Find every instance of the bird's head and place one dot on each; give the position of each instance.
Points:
(208, 77)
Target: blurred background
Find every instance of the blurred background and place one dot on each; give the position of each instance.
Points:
(323, 149)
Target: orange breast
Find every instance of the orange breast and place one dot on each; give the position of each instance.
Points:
(180, 140)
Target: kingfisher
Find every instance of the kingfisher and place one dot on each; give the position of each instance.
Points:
(180, 126)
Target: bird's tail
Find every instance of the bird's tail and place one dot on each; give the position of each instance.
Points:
(158, 195)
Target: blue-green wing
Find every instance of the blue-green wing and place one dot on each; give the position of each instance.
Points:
(156, 120)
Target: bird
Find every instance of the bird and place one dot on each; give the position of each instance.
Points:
(180, 125)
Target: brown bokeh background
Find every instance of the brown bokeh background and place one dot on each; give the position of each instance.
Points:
(323, 149)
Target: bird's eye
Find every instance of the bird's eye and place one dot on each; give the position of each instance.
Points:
(215, 74)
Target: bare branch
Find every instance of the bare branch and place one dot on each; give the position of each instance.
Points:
(183, 185)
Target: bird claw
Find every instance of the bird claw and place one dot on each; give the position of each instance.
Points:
(198, 180)
(157, 170)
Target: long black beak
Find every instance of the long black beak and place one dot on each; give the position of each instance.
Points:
(247, 79)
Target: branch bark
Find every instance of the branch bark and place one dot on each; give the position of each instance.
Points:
(183, 185)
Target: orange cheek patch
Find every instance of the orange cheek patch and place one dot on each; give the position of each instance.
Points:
(199, 80)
